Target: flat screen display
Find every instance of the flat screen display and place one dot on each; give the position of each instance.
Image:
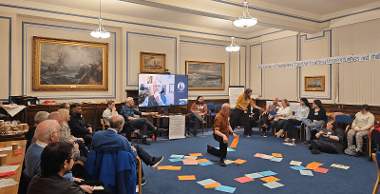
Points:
(162, 90)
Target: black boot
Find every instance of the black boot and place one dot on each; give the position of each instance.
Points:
(221, 162)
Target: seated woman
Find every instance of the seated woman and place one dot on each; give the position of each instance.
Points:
(329, 139)
(301, 113)
(265, 115)
(316, 118)
(283, 114)
(374, 134)
(198, 112)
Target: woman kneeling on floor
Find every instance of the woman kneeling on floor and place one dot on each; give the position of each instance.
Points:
(329, 139)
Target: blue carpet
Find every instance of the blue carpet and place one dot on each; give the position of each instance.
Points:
(359, 178)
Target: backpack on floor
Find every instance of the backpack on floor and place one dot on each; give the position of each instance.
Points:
(350, 150)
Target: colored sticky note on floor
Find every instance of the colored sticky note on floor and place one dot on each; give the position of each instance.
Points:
(190, 162)
(243, 179)
(267, 157)
(175, 159)
(226, 189)
(205, 163)
(195, 154)
(176, 156)
(274, 159)
(234, 142)
(295, 163)
(306, 172)
(190, 157)
(321, 170)
(169, 167)
(212, 186)
(278, 155)
(202, 160)
(273, 185)
(206, 182)
(240, 161)
(254, 175)
(227, 162)
(267, 173)
(298, 167)
(259, 155)
(230, 150)
(341, 166)
(186, 177)
(316, 163)
(270, 179)
(311, 166)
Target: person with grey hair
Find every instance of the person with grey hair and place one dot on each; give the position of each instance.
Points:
(128, 113)
(64, 106)
(110, 139)
(158, 98)
(38, 118)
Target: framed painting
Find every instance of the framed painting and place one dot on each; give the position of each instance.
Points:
(314, 83)
(205, 75)
(152, 62)
(61, 64)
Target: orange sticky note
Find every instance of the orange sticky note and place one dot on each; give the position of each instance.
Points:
(311, 166)
(169, 167)
(195, 154)
(211, 186)
(278, 155)
(186, 177)
(240, 161)
(202, 160)
(234, 142)
(270, 179)
(317, 163)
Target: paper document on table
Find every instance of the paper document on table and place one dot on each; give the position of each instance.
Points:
(4, 169)
(7, 183)
(177, 127)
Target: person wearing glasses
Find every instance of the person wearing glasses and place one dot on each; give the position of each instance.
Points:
(56, 161)
(158, 98)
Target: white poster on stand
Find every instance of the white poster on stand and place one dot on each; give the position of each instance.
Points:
(177, 127)
(234, 92)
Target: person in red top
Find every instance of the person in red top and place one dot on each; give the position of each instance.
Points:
(374, 134)
(222, 130)
(198, 112)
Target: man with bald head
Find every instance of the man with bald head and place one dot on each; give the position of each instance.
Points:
(46, 132)
(222, 130)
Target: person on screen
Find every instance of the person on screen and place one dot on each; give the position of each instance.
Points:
(158, 98)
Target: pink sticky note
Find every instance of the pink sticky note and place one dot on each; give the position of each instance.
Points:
(321, 170)
(259, 155)
(243, 179)
(190, 162)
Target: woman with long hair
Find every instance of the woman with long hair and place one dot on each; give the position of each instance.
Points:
(301, 113)
(241, 109)
(283, 114)
(314, 121)
(329, 139)
(198, 112)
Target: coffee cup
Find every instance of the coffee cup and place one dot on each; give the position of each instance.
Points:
(293, 141)
(14, 146)
(3, 159)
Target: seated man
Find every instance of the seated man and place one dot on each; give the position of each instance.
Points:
(56, 161)
(110, 112)
(38, 118)
(222, 130)
(128, 112)
(360, 127)
(110, 139)
(254, 117)
(79, 126)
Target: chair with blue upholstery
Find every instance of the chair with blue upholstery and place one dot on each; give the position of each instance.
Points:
(376, 159)
(366, 139)
(298, 127)
(210, 113)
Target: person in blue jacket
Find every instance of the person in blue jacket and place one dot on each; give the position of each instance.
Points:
(110, 139)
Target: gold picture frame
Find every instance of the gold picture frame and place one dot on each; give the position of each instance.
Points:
(152, 62)
(62, 64)
(205, 75)
(314, 83)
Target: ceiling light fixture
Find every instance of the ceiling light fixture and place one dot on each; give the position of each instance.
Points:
(100, 32)
(246, 20)
(233, 47)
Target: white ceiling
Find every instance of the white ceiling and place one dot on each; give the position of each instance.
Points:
(219, 14)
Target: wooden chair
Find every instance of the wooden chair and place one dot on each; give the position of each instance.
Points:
(375, 157)
(104, 124)
(366, 139)
(139, 175)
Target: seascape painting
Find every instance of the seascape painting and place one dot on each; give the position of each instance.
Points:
(69, 65)
(205, 75)
(314, 83)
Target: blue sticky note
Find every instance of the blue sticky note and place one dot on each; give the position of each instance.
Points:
(228, 149)
(206, 163)
(175, 159)
(267, 173)
(298, 167)
(226, 189)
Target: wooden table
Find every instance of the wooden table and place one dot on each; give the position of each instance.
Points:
(12, 158)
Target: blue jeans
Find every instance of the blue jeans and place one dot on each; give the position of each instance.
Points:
(308, 122)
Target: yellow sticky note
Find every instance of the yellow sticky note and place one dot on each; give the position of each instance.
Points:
(195, 154)
(240, 161)
(278, 155)
(169, 167)
(202, 160)
(186, 177)
(211, 186)
(234, 142)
